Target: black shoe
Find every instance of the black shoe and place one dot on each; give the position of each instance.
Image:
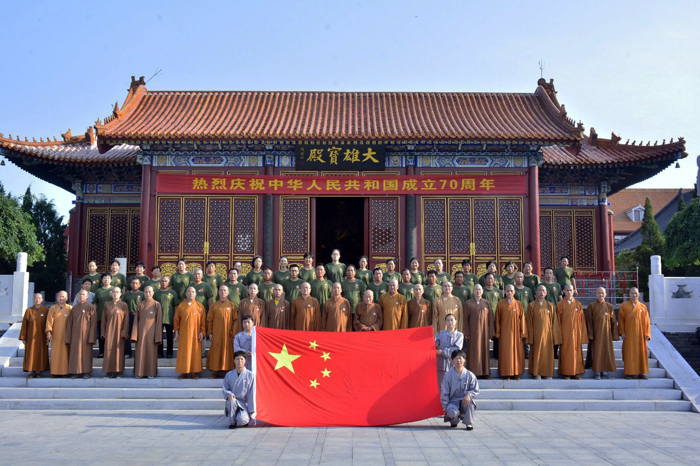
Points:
(232, 426)
(470, 427)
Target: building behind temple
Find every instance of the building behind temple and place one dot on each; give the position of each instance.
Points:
(529, 182)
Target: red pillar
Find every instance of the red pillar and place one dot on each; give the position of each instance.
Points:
(534, 217)
(611, 239)
(605, 232)
(145, 215)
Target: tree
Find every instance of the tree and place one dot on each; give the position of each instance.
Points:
(652, 244)
(27, 201)
(17, 234)
(681, 205)
(682, 246)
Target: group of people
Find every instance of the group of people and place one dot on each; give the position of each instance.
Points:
(516, 311)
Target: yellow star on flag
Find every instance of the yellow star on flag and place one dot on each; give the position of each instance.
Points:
(314, 383)
(313, 345)
(326, 356)
(284, 359)
(326, 373)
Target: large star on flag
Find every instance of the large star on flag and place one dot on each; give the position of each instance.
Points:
(284, 359)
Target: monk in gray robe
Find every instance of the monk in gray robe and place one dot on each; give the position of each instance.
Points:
(114, 331)
(147, 332)
(459, 387)
(447, 341)
(81, 333)
(243, 341)
(239, 393)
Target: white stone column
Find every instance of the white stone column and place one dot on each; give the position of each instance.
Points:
(20, 287)
(657, 309)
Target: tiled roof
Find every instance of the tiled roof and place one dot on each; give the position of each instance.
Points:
(621, 203)
(368, 116)
(609, 153)
(74, 150)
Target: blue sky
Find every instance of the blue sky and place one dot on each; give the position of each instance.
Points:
(628, 67)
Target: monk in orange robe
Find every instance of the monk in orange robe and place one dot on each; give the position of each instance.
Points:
(478, 328)
(278, 310)
(420, 311)
(254, 306)
(33, 335)
(56, 335)
(510, 330)
(306, 312)
(222, 326)
(602, 330)
(368, 314)
(444, 305)
(394, 308)
(572, 322)
(337, 313)
(635, 331)
(542, 334)
(81, 333)
(189, 326)
(114, 330)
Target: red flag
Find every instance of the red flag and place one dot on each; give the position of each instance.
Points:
(345, 379)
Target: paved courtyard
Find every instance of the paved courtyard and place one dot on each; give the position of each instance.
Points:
(189, 437)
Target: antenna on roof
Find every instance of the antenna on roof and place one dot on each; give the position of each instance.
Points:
(541, 64)
(155, 74)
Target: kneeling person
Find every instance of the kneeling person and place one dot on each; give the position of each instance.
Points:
(238, 393)
(459, 387)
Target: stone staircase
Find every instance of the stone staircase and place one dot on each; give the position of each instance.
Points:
(165, 392)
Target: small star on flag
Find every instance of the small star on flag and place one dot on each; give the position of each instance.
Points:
(313, 345)
(326, 356)
(314, 383)
(326, 373)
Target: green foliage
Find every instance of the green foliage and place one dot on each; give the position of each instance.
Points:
(652, 244)
(27, 201)
(626, 260)
(682, 245)
(681, 205)
(17, 234)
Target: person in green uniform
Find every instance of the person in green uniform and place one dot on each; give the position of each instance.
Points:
(155, 279)
(181, 279)
(236, 290)
(469, 278)
(335, 270)
(460, 290)
(565, 275)
(321, 288)
(442, 276)
(283, 273)
(431, 290)
(417, 276)
(391, 273)
(94, 276)
(132, 298)
(509, 277)
(140, 275)
(497, 280)
(168, 299)
(308, 272)
(363, 273)
(103, 295)
(238, 266)
(378, 286)
(203, 289)
(492, 295)
(530, 280)
(406, 287)
(118, 279)
(265, 289)
(553, 287)
(292, 286)
(255, 275)
(213, 279)
(352, 287)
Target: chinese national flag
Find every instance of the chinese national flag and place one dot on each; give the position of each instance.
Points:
(345, 379)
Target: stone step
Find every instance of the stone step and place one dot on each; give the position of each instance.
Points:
(581, 394)
(163, 362)
(205, 404)
(561, 384)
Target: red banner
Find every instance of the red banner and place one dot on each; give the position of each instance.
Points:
(345, 379)
(341, 185)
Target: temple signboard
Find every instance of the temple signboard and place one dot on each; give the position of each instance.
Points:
(340, 157)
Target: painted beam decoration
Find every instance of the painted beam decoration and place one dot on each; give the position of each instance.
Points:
(340, 157)
(341, 185)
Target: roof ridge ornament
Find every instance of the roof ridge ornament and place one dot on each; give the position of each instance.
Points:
(593, 137)
(549, 89)
(614, 138)
(136, 83)
(67, 135)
